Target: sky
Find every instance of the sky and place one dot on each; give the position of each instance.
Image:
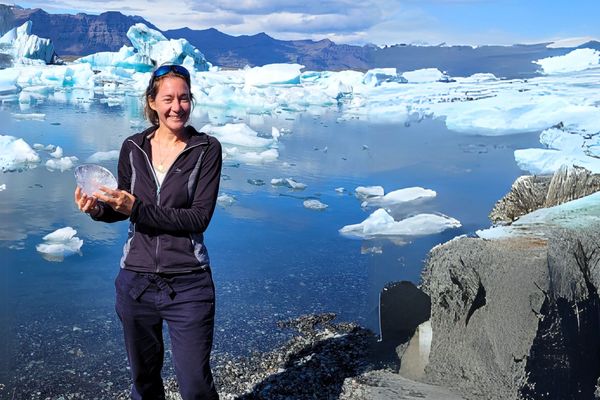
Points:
(381, 22)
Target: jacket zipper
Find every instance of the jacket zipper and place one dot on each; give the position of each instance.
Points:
(158, 186)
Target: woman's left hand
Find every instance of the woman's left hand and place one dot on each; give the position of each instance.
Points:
(120, 200)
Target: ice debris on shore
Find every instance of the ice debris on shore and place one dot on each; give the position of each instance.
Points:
(381, 223)
(59, 244)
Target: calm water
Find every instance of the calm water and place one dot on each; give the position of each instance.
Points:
(272, 258)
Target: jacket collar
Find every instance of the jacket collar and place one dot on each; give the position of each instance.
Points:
(196, 137)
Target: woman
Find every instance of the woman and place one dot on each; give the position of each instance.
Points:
(168, 181)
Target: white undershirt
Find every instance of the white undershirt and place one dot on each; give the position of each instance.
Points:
(160, 176)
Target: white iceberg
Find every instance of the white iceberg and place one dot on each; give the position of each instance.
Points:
(576, 60)
(273, 74)
(399, 196)
(26, 48)
(59, 244)
(102, 156)
(57, 153)
(381, 223)
(364, 192)
(288, 182)
(237, 135)
(377, 76)
(249, 156)
(314, 204)
(225, 200)
(32, 116)
(16, 154)
(61, 164)
(3, 187)
(425, 75)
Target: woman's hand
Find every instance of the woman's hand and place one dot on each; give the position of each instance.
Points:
(120, 200)
(84, 202)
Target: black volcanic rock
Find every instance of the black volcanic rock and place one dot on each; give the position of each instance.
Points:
(79, 34)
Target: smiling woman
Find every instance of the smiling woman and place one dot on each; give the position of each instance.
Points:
(167, 186)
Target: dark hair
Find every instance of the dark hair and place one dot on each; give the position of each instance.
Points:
(154, 84)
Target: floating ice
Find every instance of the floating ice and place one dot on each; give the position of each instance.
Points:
(16, 154)
(576, 60)
(273, 74)
(90, 177)
(314, 204)
(3, 187)
(340, 190)
(288, 182)
(27, 48)
(364, 192)
(102, 156)
(251, 157)
(423, 75)
(377, 76)
(380, 223)
(61, 164)
(34, 116)
(225, 200)
(238, 135)
(57, 153)
(157, 49)
(399, 196)
(59, 244)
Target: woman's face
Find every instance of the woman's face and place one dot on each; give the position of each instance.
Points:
(172, 103)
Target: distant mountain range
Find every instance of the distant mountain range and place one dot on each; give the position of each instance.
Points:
(82, 34)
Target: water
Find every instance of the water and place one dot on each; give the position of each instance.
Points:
(272, 258)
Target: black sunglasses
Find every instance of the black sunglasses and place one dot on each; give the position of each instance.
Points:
(165, 69)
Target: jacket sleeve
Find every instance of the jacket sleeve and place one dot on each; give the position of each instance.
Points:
(105, 212)
(196, 218)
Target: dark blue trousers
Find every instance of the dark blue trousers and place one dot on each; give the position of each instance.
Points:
(187, 303)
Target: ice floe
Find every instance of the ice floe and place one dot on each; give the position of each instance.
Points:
(576, 60)
(16, 154)
(225, 199)
(59, 244)
(57, 153)
(364, 192)
(3, 187)
(61, 164)
(399, 196)
(26, 48)
(314, 204)
(288, 182)
(102, 156)
(381, 223)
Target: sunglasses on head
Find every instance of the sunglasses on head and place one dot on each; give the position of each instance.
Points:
(165, 69)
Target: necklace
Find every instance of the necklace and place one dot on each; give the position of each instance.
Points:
(161, 164)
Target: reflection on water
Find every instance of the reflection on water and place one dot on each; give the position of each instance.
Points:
(272, 258)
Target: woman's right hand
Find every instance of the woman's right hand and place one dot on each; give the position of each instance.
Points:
(84, 202)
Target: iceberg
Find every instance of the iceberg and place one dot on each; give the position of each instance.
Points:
(225, 200)
(156, 49)
(3, 187)
(273, 74)
(576, 60)
(16, 154)
(61, 164)
(364, 192)
(30, 116)
(381, 223)
(377, 76)
(101, 156)
(238, 135)
(57, 153)
(59, 244)
(423, 75)
(27, 48)
(399, 196)
(288, 182)
(313, 204)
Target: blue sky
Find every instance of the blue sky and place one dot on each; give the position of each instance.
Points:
(472, 22)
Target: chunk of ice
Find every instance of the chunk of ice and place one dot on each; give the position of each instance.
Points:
(314, 204)
(101, 156)
(57, 153)
(380, 223)
(400, 196)
(576, 60)
(61, 164)
(3, 187)
(288, 182)
(90, 177)
(15, 154)
(59, 244)
(225, 200)
(364, 192)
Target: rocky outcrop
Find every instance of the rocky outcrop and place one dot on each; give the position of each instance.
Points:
(516, 318)
(532, 192)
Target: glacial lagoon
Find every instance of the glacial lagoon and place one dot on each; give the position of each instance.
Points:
(272, 258)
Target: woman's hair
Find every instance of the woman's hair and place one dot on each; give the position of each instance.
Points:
(152, 90)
